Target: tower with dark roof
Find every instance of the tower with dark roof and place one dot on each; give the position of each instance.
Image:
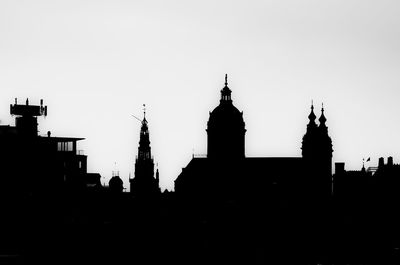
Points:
(144, 184)
(325, 144)
(116, 184)
(226, 129)
(310, 139)
(317, 154)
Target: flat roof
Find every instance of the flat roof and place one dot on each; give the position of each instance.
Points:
(61, 139)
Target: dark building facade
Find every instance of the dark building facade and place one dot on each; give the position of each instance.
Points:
(39, 164)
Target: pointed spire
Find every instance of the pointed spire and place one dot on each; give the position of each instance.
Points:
(322, 119)
(312, 116)
(226, 79)
(144, 113)
(144, 142)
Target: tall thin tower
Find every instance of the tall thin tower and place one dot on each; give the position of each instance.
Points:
(144, 184)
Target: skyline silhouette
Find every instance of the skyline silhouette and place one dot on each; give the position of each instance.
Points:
(108, 175)
(96, 64)
(269, 133)
(227, 207)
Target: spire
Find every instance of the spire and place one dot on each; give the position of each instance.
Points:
(322, 119)
(226, 92)
(322, 122)
(144, 142)
(312, 116)
(144, 113)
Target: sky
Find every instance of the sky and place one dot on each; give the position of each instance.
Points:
(95, 63)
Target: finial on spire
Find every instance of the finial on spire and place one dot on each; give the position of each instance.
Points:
(144, 111)
(322, 119)
(312, 116)
(226, 79)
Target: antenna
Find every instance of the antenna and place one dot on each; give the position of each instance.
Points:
(136, 118)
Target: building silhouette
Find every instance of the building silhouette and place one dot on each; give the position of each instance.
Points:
(227, 173)
(226, 129)
(116, 185)
(145, 184)
(227, 208)
(317, 156)
(228, 191)
(39, 164)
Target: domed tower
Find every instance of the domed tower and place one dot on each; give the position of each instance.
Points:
(310, 142)
(317, 155)
(116, 184)
(325, 144)
(144, 184)
(226, 129)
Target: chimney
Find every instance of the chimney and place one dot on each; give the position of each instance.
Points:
(381, 162)
(390, 161)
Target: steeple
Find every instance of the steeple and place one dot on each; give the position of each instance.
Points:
(144, 184)
(311, 117)
(322, 120)
(226, 92)
(144, 150)
(317, 154)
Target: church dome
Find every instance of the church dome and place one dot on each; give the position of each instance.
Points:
(116, 184)
(226, 114)
(225, 129)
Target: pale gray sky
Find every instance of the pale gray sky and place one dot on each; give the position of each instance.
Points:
(96, 62)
